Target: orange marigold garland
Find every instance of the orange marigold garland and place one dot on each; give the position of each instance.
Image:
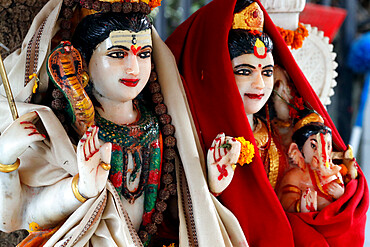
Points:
(171, 245)
(246, 151)
(295, 38)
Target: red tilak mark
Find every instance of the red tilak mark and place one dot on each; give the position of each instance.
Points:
(259, 65)
(258, 55)
(323, 147)
(25, 122)
(135, 50)
(223, 172)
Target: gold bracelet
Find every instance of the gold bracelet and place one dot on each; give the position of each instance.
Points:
(77, 194)
(9, 168)
(298, 206)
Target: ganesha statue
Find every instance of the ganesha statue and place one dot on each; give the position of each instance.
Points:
(315, 181)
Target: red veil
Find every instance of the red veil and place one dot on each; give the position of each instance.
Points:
(201, 50)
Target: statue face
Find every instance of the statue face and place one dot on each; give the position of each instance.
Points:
(254, 79)
(120, 66)
(317, 150)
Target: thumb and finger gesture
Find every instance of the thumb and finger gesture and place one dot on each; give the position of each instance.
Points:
(221, 159)
(93, 163)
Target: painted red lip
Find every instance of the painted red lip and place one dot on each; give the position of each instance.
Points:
(254, 96)
(129, 82)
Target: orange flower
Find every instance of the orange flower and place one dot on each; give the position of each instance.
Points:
(154, 3)
(246, 152)
(294, 39)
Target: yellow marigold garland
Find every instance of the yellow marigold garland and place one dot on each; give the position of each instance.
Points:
(295, 38)
(246, 151)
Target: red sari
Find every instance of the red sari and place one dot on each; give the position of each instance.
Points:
(201, 50)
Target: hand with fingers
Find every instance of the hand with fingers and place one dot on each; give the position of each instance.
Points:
(309, 201)
(93, 163)
(335, 189)
(221, 159)
(18, 137)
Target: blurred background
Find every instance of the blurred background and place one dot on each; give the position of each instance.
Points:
(349, 108)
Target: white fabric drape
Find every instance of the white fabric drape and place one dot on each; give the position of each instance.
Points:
(102, 221)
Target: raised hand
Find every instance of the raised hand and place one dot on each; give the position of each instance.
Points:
(93, 163)
(18, 137)
(221, 159)
(309, 201)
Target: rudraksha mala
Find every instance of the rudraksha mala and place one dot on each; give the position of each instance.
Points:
(168, 180)
(58, 104)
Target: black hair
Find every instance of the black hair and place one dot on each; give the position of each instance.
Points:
(94, 29)
(301, 135)
(242, 4)
(242, 42)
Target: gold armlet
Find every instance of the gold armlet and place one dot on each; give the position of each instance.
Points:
(9, 168)
(298, 206)
(77, 194)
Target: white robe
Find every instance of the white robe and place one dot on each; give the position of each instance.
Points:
(102, 221)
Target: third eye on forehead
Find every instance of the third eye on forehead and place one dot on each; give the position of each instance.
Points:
(127, 39)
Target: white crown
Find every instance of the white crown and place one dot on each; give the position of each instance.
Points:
(283, 6)
(284, 13)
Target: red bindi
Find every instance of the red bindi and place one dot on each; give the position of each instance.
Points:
(259, 65)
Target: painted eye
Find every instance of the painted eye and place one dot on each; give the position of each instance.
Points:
(243, 72)
(117, 54)
(145, 54)
(313, 146)
(268, 72)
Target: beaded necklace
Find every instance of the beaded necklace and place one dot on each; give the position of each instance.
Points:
(140, 140)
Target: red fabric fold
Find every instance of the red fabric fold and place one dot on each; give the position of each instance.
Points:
(201, 51)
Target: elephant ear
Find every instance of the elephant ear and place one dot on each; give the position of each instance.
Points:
(64, 67)
(296, 156)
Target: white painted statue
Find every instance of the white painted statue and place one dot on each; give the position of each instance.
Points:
(103, 171)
